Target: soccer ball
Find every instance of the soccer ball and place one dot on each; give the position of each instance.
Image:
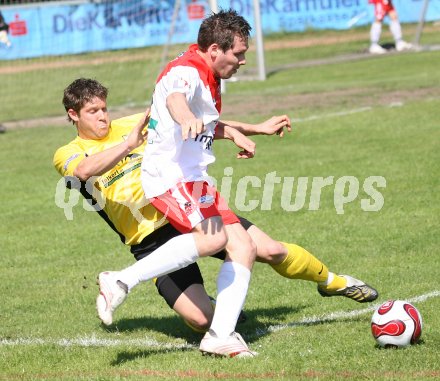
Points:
(396, 324)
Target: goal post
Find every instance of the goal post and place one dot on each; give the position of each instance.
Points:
(259, 41)
(421, 23)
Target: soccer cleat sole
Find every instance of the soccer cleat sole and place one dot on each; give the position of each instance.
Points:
(231, 346)
(107, 300)
(239, 354)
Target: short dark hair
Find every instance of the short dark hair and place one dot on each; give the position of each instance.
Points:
(81, 91)
(221, 28)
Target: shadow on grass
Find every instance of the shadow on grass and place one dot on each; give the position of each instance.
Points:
(174, 326)
(395, 348)
(259, 323)
(126, 356)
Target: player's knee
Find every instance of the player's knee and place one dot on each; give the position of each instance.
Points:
(199, 321)
(210, 237)
(217, 242)
(243, 250)
(273, 252)
(249, 248)
(212, 244)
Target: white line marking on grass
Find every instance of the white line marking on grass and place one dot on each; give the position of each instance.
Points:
(344, 113)
(338, 315)
(94, 341)
(333, 114)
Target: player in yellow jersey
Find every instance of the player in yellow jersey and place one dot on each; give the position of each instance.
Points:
(103, 162)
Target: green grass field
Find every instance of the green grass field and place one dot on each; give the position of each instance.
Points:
(372, 117)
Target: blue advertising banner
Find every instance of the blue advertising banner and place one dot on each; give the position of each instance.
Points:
(43, 29)
(298, 15)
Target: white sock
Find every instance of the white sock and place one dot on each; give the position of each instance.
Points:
(232, 285)
(375, 32)
(396, 30)
(177, 253)
(329, 279)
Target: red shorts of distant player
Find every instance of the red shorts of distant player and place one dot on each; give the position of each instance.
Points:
(382, 8)
(188, 204)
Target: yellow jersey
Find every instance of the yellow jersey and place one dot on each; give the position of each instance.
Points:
(118, 193)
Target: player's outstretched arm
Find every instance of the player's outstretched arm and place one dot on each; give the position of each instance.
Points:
(274, 125)
(101, 162)
(247, 146)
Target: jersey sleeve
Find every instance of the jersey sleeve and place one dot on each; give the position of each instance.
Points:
(67, 158)
(181, 79)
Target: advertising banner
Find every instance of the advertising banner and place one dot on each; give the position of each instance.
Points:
(42, 29)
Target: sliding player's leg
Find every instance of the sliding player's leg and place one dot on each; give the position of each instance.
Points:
(184, 292)
(203, 234)
(294, 262)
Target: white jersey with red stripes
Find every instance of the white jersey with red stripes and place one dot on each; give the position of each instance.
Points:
(168, 159)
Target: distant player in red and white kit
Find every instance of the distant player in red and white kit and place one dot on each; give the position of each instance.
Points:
(4, 30)
(384, 8)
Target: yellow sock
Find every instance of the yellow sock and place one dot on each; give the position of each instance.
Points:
(333, 283)
(300, 264)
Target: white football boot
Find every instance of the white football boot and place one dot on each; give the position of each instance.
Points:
(376, 49)
(111, 295)
(403, 45)
(231, 346)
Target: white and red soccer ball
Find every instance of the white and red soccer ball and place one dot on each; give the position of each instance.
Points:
(396, 323)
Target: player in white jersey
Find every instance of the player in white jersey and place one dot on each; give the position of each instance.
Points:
(185, 110)
(170, 158)
(177, 186)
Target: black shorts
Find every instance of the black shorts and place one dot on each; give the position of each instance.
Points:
(172, 285)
